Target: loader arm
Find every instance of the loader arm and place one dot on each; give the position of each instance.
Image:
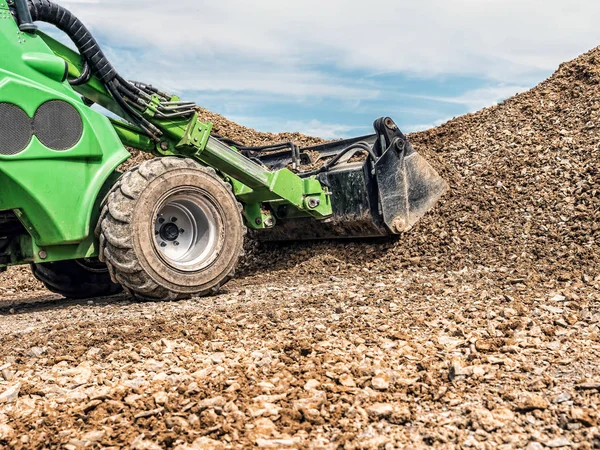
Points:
(253, 184)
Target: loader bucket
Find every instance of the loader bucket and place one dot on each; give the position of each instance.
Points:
(387, 193)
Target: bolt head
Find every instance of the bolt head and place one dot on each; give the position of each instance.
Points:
(176, 244)
(163, 244)
(173, 219)
(42, 254)
(313, 202)
(258, 221)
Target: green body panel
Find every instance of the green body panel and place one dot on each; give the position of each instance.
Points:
(55, 194)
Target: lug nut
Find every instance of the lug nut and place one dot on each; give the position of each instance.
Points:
(181, 231)
(173, 219)
(175, 243)
(161, 220)
(163, 244)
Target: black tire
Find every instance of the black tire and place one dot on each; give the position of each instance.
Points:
(76, 279)
(129, 230)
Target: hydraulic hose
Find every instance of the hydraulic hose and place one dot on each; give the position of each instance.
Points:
(63, 19)
(124, 93)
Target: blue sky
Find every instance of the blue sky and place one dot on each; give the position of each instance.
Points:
(330, 67)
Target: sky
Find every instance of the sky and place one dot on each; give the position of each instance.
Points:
(329, 68)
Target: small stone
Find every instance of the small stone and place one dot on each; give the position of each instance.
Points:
(94, 436)
(482, 418)
(584, 416)
(217, 358)
(558, 298)
(401, 415)
(558, 442)
(508, 312)
(192, 389)
(275, 443)
(139, 443)
(211, 403)
(11, 394)
(457, 371)
(381, 382)
(36, 351)
(347, 380)
(203, 443)
(161, 398)
(6, 432)
(534, 446)
(264, 427)
(311, 384)
(131, 399)
(529, 402)
(266, 385)
(217, 346)
(380, 410)
(562, 398)
(588, 386)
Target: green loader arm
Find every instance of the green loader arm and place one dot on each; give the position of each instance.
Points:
(253, 185)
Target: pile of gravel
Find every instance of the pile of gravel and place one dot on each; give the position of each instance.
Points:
(480, 328)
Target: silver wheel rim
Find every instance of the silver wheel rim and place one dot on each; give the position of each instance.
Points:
(186, 231)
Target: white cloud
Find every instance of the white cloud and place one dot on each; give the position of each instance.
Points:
(308, 127)
(479, 98)
(302, 52)
(500, 39)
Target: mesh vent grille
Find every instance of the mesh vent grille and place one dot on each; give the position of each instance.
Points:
(15, 129)
(58, 125)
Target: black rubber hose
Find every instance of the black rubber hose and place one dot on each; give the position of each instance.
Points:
(85, 76)
(63, 19)
(358, 146)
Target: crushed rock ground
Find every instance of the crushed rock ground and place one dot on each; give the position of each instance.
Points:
(480, 328)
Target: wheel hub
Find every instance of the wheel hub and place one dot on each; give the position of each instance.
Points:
(169, 232)
(186, 231)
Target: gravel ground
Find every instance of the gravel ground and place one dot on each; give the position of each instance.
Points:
(478, 329)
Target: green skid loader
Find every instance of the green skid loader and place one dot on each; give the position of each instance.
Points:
(174, 226)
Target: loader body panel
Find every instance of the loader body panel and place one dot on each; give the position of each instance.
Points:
(52, 181)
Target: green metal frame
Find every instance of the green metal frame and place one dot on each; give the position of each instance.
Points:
(56, 194)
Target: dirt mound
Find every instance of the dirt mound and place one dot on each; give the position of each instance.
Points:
(478, 329)
(524, 179)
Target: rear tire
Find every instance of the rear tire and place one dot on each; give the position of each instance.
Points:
(169, 229)
(76, 279)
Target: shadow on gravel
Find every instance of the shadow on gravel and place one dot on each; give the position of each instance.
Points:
(37, 303)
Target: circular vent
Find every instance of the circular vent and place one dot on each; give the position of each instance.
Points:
(15, 129)
(58, 125)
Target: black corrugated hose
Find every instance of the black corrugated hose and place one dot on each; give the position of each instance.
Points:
(122, 91)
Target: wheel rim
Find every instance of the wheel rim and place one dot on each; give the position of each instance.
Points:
(186, 231)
